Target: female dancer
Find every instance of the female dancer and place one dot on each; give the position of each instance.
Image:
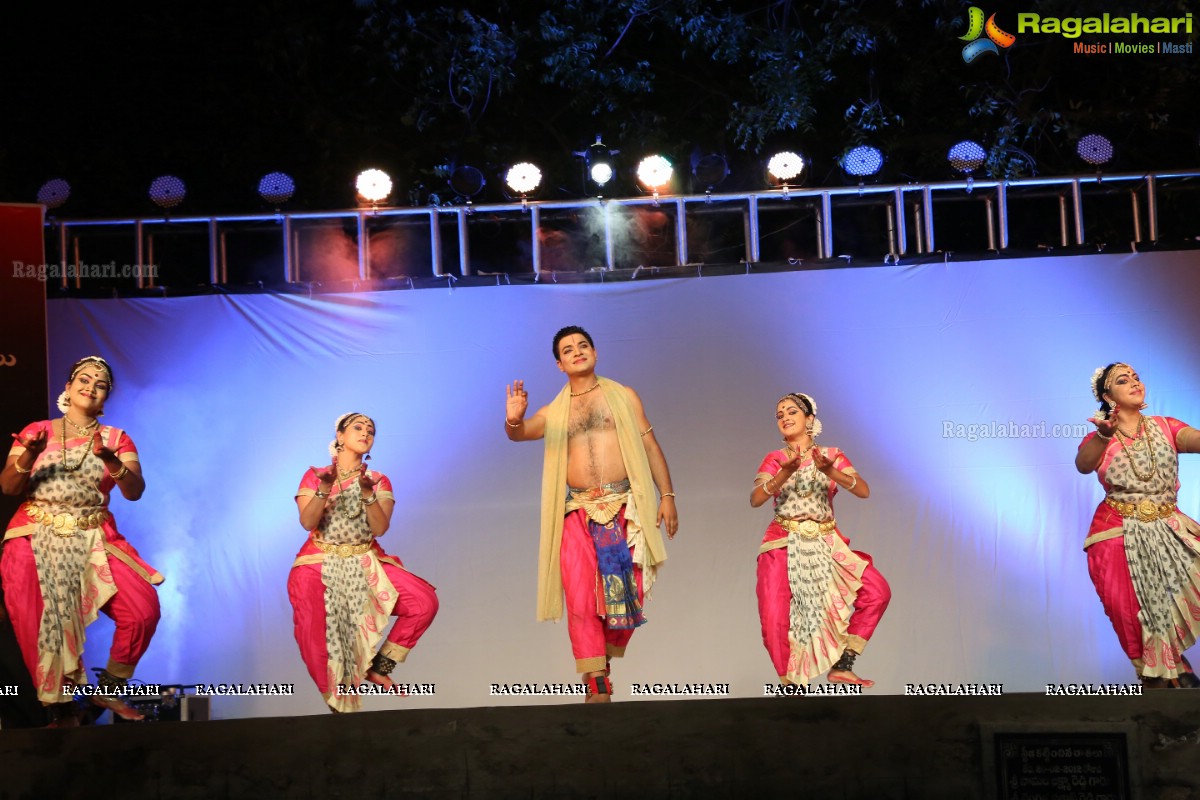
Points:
(808, 577)
(64, 560)
(343, 586)
(1143, 555)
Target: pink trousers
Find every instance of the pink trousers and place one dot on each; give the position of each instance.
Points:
(775, 600)
(1109, 571)
(134, 608)
(416, 606)
(592, 641)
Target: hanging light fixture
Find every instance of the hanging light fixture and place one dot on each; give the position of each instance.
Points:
(654, 173)
(1095, 149)
(710, 170)
(373, 185)
(598, 165)
(966, 157)
(167, 191)
(466, 181)
(862, 162)
(276, 188)
(523, 178)
(785, 167)
(54, 193)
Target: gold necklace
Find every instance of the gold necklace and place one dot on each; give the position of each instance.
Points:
(346, 473)
(86, 449)
(810, 479)
(585, 391)
(1125, 442)
(84, 430)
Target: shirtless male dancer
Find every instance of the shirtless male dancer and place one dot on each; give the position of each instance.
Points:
(602, 466)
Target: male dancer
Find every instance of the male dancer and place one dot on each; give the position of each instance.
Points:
(597, 547)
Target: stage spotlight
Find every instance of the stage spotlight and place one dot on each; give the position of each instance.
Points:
(1095, 149)
(54, 193)
(373, 185)
(654, 172)
(167, 191)
(966, 156)
(601, 173)
(862, 161)
(598, 158)
(523, 178)
(710, 170)
(276, 188)
(467, 181)
(785, 167)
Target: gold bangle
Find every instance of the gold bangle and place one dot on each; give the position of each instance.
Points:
(320, 494)
(121, 473)
(668, 494)
(647, 431)
(516, 424)
(17, 467)
(374, 499)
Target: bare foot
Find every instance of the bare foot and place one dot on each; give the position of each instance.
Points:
(380, 680)
(385, 681)
(846, 676)
(118, 707)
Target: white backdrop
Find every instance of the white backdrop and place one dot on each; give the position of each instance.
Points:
(230, 398)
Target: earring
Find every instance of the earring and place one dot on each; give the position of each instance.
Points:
(338, 447)
(367, 457)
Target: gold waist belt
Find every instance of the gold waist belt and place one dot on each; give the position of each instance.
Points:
(1144, 510)
(807, 528)
(65, 524)
(342, 550)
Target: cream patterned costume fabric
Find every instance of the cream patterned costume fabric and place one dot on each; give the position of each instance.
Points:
(359, 596)
(1161, 549)
(72, 536)
(825, 575)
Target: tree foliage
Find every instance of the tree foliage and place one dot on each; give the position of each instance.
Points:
(744, 77)
(323, 90)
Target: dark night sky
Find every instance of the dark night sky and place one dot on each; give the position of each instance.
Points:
(109, 101)
(221, 93)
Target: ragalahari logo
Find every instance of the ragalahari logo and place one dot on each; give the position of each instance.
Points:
(976, 27)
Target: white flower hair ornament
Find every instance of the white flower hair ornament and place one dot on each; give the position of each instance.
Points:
(817, 427)
(1097, 389)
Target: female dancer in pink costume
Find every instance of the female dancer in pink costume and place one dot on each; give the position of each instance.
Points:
(343, 586)
(64, 561)
(1143, 554)
(818, 600)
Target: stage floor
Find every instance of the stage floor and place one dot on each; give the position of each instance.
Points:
(881, 747)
